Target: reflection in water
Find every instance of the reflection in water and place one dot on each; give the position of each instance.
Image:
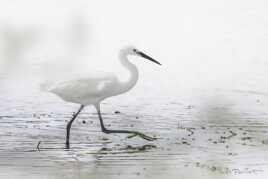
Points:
(127, 149)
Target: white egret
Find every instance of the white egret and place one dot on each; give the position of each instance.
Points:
(92, 90)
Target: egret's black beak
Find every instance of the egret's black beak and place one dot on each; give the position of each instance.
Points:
(147, 57)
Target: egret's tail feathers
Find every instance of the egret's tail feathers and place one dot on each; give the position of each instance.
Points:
(45, 86)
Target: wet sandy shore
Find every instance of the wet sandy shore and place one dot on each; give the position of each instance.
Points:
(222, 137)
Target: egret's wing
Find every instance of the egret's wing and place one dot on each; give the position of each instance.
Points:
(90, 87)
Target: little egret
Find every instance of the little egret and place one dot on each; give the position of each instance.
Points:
(92, 90)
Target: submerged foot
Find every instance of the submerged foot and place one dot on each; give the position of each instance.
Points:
(136, 133)
(37, 147)
(67, 145)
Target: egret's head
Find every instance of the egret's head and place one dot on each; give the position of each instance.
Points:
(131, 50)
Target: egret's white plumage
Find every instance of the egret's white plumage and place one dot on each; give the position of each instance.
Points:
(93, 89)
(84, 91)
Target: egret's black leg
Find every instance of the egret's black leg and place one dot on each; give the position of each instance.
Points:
(135, 133)
(69, 125)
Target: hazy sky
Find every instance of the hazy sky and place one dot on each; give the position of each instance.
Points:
(204, 39)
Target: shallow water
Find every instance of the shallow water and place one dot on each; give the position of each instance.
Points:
(202, 132)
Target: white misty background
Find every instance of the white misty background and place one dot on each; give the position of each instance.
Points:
(201, 44)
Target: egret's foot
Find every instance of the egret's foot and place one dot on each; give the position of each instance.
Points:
(136, 133)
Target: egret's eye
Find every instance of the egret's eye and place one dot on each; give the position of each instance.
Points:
(134, 50)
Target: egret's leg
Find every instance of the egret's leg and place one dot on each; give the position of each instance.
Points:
(107, 131)
(69, 125)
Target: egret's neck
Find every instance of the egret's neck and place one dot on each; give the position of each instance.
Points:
(132, 69)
